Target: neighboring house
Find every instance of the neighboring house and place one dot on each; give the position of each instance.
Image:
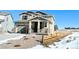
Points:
(6, 22)
(35, 22)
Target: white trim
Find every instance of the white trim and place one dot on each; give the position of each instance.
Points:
(29, 27)
(38, 27)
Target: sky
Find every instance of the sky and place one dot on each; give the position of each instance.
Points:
(63, 18)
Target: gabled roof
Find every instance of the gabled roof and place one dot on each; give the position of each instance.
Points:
(25, 13)
(36, 14)
(40, 18)
(30, 12)
(41, 13)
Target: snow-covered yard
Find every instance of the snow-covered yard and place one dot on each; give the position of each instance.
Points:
(6, 36)
(69, 42)
(18, 41)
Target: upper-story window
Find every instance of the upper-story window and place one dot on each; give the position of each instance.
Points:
(24, 17)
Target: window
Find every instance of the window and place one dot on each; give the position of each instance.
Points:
(24, 17)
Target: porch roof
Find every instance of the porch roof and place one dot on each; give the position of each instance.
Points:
(40, 18)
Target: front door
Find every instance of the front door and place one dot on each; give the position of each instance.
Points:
(41, 25)
(35, 27)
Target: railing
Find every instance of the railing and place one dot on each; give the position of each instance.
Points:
(20, 27)
(44, 30)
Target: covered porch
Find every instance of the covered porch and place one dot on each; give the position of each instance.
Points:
(39, 27)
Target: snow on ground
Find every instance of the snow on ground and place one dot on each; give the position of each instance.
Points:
(14, 36)
(69, 42)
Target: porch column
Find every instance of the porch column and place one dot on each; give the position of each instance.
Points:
(29, 27)
(38, 27)
(48, 32)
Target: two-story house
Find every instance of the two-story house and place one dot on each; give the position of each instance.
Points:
(35, 22)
